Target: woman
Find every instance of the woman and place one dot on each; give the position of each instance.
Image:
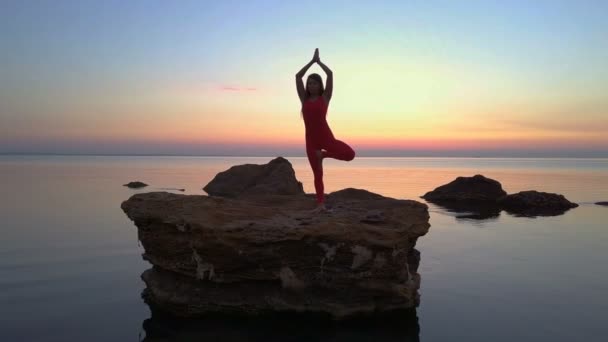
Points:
(320, 142)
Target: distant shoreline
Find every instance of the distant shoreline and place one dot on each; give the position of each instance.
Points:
(273, 156)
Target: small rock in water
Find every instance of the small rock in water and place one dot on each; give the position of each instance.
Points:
(536, 203)
(481, 198)
(602, 203)
(135, 185)
(476, 188)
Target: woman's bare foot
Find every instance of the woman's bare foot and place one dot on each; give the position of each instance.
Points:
(320, 208)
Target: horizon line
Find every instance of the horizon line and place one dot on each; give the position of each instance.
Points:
(284, 156)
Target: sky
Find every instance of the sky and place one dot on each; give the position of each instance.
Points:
(411, 78)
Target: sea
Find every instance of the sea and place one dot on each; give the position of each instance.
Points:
(70, 260)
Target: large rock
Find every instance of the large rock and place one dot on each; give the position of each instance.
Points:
(269, 253)
(275, 177)
(476, 188)
(536, 203)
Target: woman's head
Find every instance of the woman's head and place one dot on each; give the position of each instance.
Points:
(314, 85)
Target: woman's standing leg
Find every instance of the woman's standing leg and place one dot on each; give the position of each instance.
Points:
(338, 149)
(317, 170)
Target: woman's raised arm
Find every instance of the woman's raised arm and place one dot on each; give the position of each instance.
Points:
(329, 83)
(299, 83)
(299, 74)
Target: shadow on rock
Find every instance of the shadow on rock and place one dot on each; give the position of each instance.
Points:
(399, 325)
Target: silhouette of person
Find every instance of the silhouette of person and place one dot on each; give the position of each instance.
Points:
(320, 141)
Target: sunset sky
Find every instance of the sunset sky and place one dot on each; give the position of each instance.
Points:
(411, 78)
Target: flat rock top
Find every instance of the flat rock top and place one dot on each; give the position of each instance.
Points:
(351, 207)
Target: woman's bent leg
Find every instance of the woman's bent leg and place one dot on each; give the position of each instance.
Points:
(317, 171)
(338, 149)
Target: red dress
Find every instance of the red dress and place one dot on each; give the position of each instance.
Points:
(319, 136)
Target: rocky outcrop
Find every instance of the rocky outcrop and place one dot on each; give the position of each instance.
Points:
(275, 177)
(135, 185)
(481, 198)
(270, 253)
(535, 203)
(476, 188)
(471, 197)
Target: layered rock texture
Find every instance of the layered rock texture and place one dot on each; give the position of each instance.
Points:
(254, 252)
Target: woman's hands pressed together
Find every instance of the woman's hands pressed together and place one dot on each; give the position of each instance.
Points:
(315, 57)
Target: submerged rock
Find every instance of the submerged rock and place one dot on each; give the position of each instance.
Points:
(275, 177)
(135, 185)
(536, 203)
(476, 188)
(269, 253)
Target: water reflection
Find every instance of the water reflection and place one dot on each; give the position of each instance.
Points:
(469, 210)
(401, 325)
(486, 211)
(535, 212)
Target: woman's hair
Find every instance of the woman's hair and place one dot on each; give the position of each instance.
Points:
(317, 78)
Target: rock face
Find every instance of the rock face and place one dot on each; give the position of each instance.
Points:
(269, 253)
(135, 185)
(536, 203)
(476, 188)
(275, 177)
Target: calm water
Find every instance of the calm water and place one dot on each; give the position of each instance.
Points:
(70, 260)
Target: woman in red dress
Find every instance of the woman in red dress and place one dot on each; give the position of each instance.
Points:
(320, 141)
